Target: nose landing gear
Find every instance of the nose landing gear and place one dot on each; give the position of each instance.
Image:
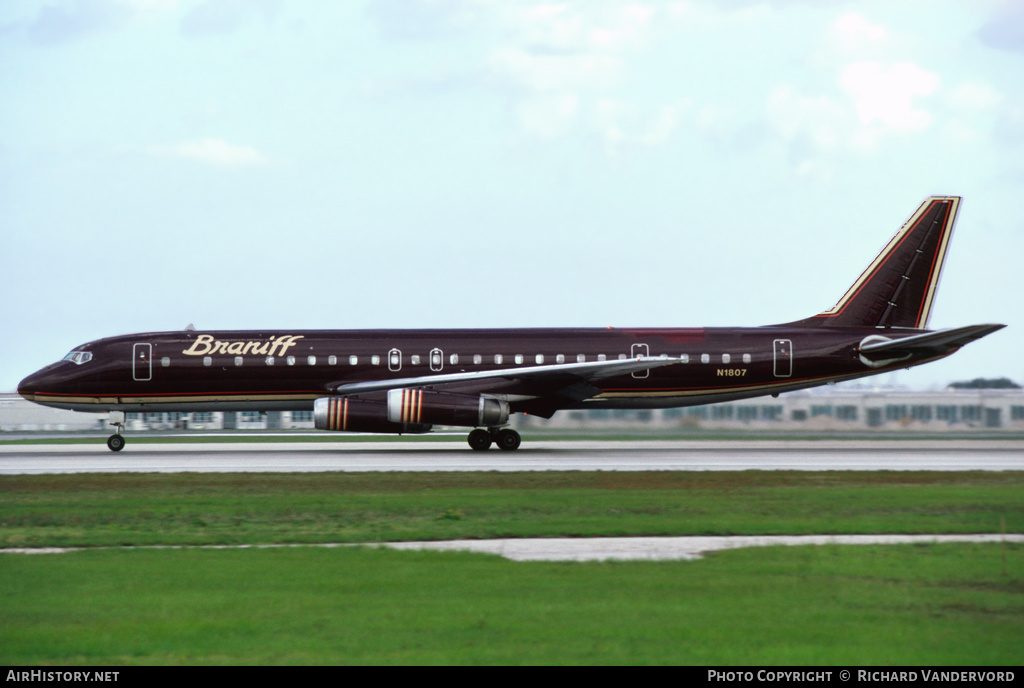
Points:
(116, 441)
(506, 439)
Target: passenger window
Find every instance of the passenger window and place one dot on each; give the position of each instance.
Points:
(498, 358)
(311, 360)
(353, 360)
(559, 358)
(414, 359)
(623, 357)
(705, 358)
(684, 358)
(746, 358)
(454, 359)
(539, 359)
(165, 362)
(477, 359)
(581, 358)
(601, 357)
(290, 360)
(375, 360)
(238, 360)
(519, 359)
(270, 360)
(207, 361)
(726, 358)
(332, 360)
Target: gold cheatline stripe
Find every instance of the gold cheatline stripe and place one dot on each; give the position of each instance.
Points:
(715, 391)
(701, 392)
(106, 399)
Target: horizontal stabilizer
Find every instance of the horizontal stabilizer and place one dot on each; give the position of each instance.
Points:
(592, 370)
(933, 343)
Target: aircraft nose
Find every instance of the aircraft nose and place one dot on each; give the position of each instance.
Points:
(36, 383)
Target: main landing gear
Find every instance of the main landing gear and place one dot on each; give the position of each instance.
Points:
(116, 441)
(506, 439)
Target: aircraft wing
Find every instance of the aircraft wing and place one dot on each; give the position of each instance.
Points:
(931, 343)
(559, 373)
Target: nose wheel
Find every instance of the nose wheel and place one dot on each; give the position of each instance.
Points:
(506, 439)
(115, 442)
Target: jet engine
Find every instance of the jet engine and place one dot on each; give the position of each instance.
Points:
(359, 415)
(443, 408)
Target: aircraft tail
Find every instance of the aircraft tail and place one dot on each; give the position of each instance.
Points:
(897, 289)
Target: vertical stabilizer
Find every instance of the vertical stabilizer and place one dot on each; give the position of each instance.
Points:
(898, 288)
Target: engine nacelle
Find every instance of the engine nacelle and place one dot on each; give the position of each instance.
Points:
(359, 415)
(442, 408)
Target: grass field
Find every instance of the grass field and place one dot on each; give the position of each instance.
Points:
(897, 604)
(146, 509)
(920, 605)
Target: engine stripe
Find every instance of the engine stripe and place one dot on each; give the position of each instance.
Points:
(412, 405)
(337, 414)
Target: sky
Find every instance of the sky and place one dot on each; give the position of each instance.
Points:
(257, 164)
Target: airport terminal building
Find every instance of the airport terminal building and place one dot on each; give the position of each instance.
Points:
(823, 409)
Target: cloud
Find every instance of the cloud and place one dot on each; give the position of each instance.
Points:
(212, 152)
(815, 118)
(424, 20)
(875, 100)
(545, 73)
(547, 117)
(884, 94)
(852, 32)
(590, 27)
(1005, 30)
(215, 17)
(814, 129)
(1009, 125)
(974, 95)
(57, 24)
(622, 123)
(563, 64)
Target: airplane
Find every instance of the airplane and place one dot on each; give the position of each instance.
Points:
(406, 381)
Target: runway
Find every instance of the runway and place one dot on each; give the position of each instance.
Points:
(536, 455)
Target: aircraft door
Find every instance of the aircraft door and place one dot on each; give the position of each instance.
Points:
(394, 360)
(436, 360)
(142, 362)
(783, 358)
(636, 351)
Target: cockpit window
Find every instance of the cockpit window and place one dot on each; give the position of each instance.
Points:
(79, 357)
